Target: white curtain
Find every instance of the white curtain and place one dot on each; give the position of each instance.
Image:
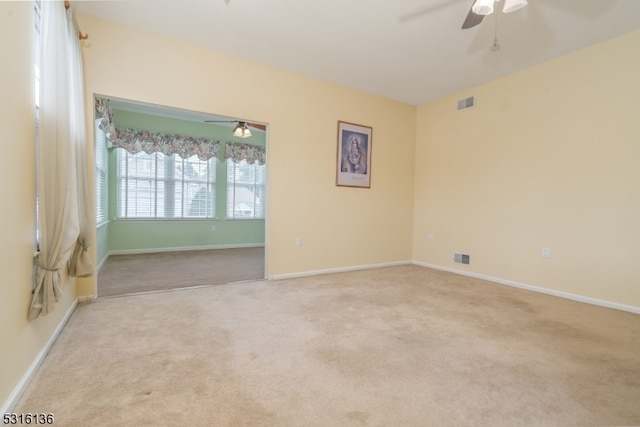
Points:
(62, 180)
(80, 264)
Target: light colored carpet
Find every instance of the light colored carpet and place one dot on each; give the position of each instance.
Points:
(126, 274)
(398, 346)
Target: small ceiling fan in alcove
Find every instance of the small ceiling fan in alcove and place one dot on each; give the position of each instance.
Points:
(241, 129)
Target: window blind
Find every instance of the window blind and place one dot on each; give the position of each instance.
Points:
(246, 188)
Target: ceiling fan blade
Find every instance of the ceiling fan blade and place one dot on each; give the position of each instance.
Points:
(421, 12)
(253, 125)
(257, 126)
(472, 19)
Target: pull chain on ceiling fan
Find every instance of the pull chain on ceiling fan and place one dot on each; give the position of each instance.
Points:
(495, 46)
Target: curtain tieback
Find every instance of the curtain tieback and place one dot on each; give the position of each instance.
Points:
(44, 267)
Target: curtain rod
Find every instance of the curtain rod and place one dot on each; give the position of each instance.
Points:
(67, 5)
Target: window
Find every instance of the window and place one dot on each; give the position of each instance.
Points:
(101, 174)
(245, 190)
(160, 186)
(36, 27)
(36, 11)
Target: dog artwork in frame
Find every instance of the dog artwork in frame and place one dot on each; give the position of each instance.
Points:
(354, 155)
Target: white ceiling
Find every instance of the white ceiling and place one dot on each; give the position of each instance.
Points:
(411, 51)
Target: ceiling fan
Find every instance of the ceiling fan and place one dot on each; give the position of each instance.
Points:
(241, 130)
(481, 8)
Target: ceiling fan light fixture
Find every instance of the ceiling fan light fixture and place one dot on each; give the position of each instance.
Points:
(483, 7)
(241, 130)
(513, 5)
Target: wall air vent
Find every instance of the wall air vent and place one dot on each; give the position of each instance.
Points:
(469, 102)
(461, 258)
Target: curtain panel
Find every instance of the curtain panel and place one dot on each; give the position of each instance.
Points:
(80, 264)
(135, 141)
(62, 183)
(239, 151)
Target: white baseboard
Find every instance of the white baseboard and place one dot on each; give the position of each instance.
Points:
(181, 248)
(101, 264)
(173, 249)
(336, 270)
(561, 294)
(20, 388)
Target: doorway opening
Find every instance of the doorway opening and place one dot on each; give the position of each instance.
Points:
(180, 198)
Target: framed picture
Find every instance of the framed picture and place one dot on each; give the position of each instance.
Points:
(354, 155)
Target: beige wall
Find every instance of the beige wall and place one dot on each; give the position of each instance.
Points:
(549, 157)
(340, 227)
(20, 340)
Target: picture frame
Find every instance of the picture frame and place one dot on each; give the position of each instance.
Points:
(353, 167)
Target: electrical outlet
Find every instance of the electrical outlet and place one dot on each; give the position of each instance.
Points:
(298, 241)
(546, 252)
(213, 227)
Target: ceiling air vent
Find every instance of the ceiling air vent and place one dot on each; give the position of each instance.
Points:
(461, 258)
(469, 102)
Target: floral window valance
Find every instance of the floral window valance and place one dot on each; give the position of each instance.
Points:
(103, 112)
(135, 141)
(238, 151)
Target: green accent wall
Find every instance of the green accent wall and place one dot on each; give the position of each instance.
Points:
(142, 235)
(102, 246)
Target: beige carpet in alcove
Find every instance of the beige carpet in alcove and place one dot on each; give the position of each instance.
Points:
(126, 274)
(398, 346)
